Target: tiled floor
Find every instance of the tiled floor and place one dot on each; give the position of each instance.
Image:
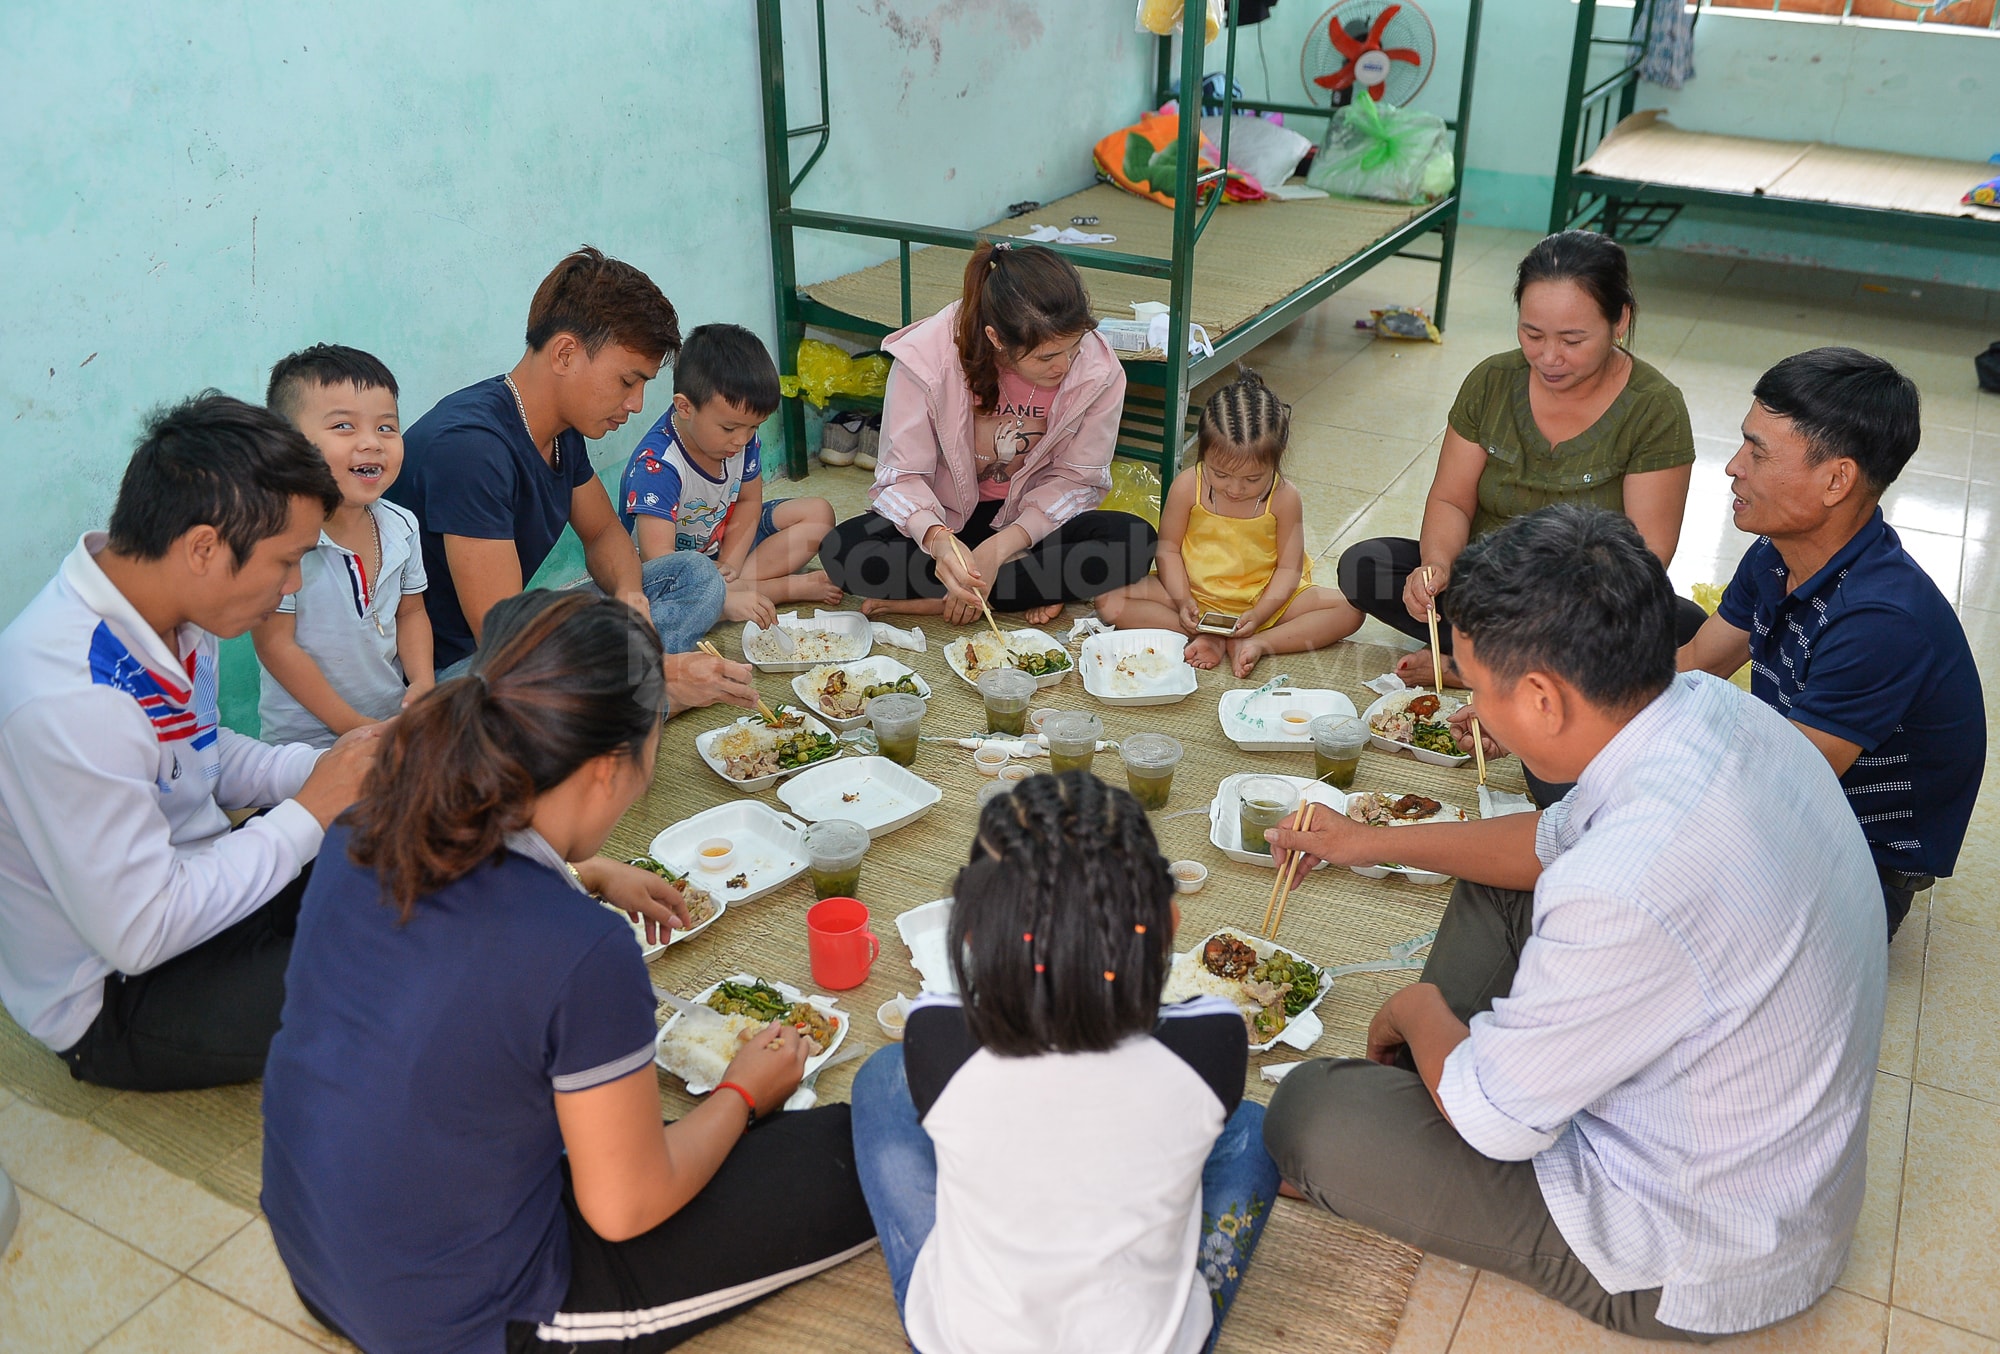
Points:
(116, 1254)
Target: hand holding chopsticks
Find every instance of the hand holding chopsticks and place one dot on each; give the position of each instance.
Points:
(1281, 888)
(966, 564)
(1479, 749)
(1437, 655)
(769, 715)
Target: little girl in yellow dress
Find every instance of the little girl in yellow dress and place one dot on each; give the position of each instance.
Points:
(1232, 540)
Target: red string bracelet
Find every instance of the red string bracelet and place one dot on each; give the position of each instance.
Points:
(748, 1099)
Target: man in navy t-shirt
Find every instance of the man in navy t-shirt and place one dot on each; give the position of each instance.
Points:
(1845, 634)
(495, 471)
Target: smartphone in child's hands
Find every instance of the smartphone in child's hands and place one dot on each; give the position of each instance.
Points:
(1217, 623)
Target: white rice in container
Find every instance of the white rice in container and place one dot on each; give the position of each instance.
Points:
(1188, 977)
(698, 1051)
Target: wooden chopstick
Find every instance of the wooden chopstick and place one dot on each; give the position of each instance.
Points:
(764, 711)
(1437, 656)
(959, 550)
(1281, 887)
(1478, 749)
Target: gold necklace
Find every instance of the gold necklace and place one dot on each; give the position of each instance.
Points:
(555, 443)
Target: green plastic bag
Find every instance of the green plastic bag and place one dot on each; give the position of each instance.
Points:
(1135, 488)
(826, 371)
(1378, 150)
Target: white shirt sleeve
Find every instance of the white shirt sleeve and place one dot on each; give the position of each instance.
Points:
(256, 774)
(1602, 993)
(76, 777)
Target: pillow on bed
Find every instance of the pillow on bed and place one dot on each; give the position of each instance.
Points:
(1985, 194)
(1261, 149)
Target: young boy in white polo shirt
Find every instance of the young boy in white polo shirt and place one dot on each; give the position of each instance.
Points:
(353, 645)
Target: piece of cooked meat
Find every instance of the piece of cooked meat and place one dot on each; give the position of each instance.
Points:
(1410, 807)
(1423, 707)
(1228, 957)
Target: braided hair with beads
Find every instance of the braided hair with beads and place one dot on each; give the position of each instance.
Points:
(1066, 913)
(1245, 421)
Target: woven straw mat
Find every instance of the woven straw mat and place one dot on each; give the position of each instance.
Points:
(1252, 255)
(1316, 1282)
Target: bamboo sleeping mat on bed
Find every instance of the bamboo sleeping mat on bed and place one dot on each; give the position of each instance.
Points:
(1316, 1282)
(1252, 255)
(1645, 148)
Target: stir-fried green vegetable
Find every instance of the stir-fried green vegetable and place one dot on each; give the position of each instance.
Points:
(904, 685)
(1282, 968)
(758, 1000)
(803, 745)
(651, 866)
(1432, 737)
(1042, 664)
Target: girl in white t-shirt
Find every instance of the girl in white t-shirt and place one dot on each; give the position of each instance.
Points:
(1052, 1161)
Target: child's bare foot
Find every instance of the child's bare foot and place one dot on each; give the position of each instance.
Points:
(1415, 669)
(1244, 655)
(1204, 652)
(903, 606)
(1042, 615)
(802, 587)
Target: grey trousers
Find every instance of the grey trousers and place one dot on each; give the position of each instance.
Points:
(1367, 1142)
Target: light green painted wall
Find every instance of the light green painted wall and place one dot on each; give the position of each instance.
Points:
(194, 190)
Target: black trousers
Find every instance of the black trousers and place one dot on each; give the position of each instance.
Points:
(1368, 1143)
(786, 1205)
(204, 1017)
(1899, 890)
(1090, 554)
(1372, 575)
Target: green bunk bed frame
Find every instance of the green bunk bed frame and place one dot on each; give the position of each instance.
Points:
(1637, 211)
(1154, 424)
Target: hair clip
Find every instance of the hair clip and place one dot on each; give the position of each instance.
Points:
(1140, 930)
(1028, 937)
(1038, 968)
(1002, 246)
(1110, 977)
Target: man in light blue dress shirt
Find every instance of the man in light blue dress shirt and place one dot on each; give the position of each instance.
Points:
(1636, 1070)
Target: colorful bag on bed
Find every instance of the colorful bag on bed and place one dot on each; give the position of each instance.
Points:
(1144, 158)
(1985, 194)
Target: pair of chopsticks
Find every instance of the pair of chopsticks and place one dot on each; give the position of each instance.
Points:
(966, 564)
(1281, 888)
(1437, 671)
(768, 715)
(1437, 655)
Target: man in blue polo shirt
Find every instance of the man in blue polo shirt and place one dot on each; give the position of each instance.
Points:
(494, 472)
(1845, 634)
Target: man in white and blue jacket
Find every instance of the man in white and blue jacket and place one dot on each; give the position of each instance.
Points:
(141, 937)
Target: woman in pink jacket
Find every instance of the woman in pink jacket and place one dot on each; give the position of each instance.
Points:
(997, 434)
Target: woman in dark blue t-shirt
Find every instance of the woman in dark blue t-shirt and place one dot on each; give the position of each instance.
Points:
(462, 1141)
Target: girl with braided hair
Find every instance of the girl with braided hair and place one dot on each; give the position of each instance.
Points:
(1233, 540)
(1053, 1162)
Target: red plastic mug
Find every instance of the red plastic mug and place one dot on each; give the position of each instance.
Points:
(841, 946)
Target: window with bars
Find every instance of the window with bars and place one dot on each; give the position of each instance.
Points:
(1929, 13)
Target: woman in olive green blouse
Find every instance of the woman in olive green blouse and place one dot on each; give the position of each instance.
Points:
(1569, 417)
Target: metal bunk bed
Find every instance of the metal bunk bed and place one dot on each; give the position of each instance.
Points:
(1156, 402)
(1631, 176)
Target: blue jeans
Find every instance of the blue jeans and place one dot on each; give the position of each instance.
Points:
(898, 1169)
(686, 592)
